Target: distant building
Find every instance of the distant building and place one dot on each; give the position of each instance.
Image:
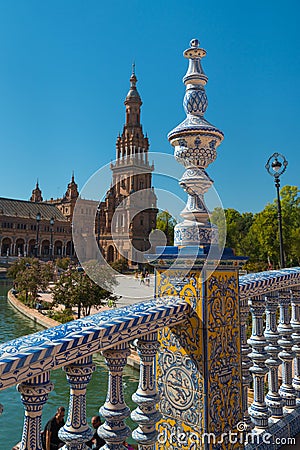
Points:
(128, 213)
(34, 228)
(123, 221)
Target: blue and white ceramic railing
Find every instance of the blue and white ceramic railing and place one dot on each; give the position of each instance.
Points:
(27, 362)
(273, 299)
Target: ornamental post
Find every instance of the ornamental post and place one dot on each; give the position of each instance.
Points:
(146, 396)
(114, 430)
(199, 365)
(258, 410)
(34, 394)
(286, 354)
(273, 399)
(295, 322)
(76, 430)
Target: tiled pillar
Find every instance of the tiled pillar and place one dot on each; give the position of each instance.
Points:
(34, 394)
(199, 367)
(286, 355)
(258, 410)
(246, 361)
(114, 431)
(146, 415)
(76, 430)
(295, 322)
(273, 399)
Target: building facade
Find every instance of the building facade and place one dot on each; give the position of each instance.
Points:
(123, 221)
(34, 228)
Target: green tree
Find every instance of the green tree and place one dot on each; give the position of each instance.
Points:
(262, 241)
(63, 263)
(233, 228)
(31, 276)
(218, 218)
(121, 265)
(290, 206)
(75, 289)
(166, 223)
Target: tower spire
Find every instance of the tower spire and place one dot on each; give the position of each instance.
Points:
(132, 142)
(36, 195)
(133, 102)
(72, 190)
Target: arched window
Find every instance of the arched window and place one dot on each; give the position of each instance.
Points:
(110, 254)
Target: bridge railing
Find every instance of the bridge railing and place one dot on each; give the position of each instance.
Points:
(270, 348)
(272, 299)
(28, 362)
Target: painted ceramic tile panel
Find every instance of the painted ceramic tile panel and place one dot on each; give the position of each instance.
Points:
(180, 366)
(223, 350)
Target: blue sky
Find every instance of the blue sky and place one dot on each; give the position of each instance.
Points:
(64, 74)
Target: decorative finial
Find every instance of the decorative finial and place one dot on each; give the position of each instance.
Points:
(73, 178)
(133, 94)
(133, 78)
(195, 73)
(195, 141)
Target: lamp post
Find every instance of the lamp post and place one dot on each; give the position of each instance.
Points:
(51, 237)
(275, 166)
(38, 219)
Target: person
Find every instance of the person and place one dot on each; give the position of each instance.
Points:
(51, 440)
(128, 446)
(96, 442)
(147, 279)
(142, 278)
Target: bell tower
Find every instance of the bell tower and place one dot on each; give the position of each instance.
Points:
(130, 205)
(132, 147)
(36, 196)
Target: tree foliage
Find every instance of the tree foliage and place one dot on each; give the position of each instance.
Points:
(31, 276)
(75, 289)
(256, 235)
(166, 223)
(120, 265)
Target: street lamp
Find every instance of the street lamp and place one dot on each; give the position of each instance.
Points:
(38, 219)
(51, 237)
(275, 166)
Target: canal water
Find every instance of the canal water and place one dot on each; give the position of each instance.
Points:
(14, 324)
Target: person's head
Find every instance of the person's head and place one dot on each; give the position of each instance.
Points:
(96, 421)
(60, 413)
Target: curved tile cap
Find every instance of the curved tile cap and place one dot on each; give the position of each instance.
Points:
(255, 284)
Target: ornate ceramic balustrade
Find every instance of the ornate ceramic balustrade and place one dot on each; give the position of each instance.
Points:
(272, 298)
(28, 361)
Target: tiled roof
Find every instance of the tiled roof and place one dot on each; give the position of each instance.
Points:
(22, 208)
